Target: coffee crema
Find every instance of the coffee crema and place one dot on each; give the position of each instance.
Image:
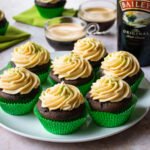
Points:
(98, 14)
(65, 32)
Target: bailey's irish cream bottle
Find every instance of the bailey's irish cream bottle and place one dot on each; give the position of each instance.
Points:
(134, 28)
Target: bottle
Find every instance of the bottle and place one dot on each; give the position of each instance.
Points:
(134, 28)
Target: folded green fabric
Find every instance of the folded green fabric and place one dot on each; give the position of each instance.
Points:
(12, 37)
(32, 16)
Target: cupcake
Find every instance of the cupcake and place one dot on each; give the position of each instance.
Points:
(110, 101)
(61, 109)
(50, 8)
(3, 23)
(19, 91)
(125, 66)
(74, 70)
(32, 57)
(91, 49)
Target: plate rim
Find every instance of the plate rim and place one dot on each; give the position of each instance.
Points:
(72, 140)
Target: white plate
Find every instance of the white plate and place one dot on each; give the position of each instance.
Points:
(29, 126)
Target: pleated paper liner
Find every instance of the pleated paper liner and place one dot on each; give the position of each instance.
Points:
(60, 127)
(21, 107)
(42, 75)
(106, 119)
(135, 86)
(84, 88)
(50, 12)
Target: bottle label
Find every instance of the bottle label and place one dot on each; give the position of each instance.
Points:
(134, 27)
(143, 5)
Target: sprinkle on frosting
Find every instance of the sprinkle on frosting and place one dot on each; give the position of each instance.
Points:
(30, 55)
(61, 96)
(120, 65)
(90, 49)
(49, 1)
(71, 67)
(109, 89)
(18, 81)
(1, 15)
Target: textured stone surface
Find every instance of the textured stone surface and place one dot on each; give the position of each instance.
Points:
(135, 138)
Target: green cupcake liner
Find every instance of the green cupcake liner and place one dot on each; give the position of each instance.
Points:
(106, 119)
(84, 88)
(42, 75)
(4, 29)
(18, 108)
(135, 86)
(60, 127)
(50, 12)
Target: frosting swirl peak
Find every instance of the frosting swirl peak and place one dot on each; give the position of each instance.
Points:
(61, 96)
(90, 49)
(71, 67)
(120, 65)
(30, 55)
(110, 89)
(18, 81)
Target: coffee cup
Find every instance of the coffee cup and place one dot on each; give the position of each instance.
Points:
(62, 32)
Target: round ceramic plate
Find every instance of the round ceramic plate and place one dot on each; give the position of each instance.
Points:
(30, 127)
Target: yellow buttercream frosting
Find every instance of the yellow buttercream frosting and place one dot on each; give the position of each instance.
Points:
(90, 49)
(71, 67)
(49, 1)
(61, 96)
(109, 89)
(120, 65)
(30, 55)
(18, 81)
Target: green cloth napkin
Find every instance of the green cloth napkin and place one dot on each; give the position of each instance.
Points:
(12, 37)
(32, 16)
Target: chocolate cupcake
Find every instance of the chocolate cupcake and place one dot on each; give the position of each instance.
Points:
(110, 101)
(32, 57)
(74, 70)
(3, 23)
(50, 8)
(123, 65)
(62, 107)
(91, 49)
(19, 90)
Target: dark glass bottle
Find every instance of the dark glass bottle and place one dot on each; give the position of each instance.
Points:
(134, 28)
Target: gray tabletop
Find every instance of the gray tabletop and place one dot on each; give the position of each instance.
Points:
(135, 138)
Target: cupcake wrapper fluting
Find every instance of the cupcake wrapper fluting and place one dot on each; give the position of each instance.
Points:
(106, 119)
(135, 86)
(50, 12)
(4, 29)
(18, 108)
(60, 127)
(84, 88)
(43, 76)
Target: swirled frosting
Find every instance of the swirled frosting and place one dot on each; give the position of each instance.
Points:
(61, 96)
(18, 81)
(49, 1)
(90, 49)
(1, 15)
(30, 55)
(120, 65)
(71, 67)
(109, 89)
